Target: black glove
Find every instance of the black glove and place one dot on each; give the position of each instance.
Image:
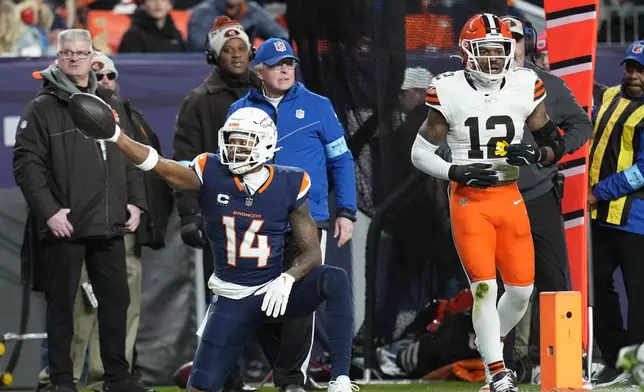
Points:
(476, 175)
(522, 154)
(192, 231)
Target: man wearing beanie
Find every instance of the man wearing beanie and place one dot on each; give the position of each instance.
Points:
(200, 116)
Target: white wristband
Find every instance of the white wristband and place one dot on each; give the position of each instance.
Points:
(117, 133)
(151, 161)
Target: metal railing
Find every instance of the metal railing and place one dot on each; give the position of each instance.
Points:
(624, 13)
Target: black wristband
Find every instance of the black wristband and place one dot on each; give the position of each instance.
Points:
(346, 213)
(558, 148)
(546, 131)
(543, 154)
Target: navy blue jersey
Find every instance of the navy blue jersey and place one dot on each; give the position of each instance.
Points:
(247, 231)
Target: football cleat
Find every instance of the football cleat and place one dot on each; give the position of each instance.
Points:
(504, 381)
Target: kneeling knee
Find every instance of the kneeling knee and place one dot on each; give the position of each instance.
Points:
(334, 279)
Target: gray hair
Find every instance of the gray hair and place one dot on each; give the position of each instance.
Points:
(72, 35)
(259, 67)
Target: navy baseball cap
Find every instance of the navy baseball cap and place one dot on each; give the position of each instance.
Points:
(635, 52)
(274, 50)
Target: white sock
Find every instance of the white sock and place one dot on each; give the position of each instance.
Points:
(512, 306)
(485, 320)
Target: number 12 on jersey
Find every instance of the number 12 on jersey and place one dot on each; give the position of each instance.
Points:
(261, 252)
(494, 143)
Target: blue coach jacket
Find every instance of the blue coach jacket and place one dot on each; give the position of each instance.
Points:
(312, 139)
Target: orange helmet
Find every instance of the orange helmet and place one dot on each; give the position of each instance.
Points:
(486, 30)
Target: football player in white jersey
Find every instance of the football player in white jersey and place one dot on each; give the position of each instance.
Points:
(481, 111)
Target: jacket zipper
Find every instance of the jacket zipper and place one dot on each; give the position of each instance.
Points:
(107, 193)
(103, 160)
(277, 109)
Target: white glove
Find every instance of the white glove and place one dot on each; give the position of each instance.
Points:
(277, 293)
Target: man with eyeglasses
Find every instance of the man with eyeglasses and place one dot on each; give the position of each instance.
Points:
(312, 139)
(82, 196)
(150, 232)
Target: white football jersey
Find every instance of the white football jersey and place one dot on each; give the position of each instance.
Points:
(483, 124)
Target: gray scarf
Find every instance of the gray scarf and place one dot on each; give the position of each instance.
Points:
(54, 75)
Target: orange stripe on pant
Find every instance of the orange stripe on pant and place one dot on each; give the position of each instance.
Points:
(491, 230)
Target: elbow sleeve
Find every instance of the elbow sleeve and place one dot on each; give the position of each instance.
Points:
(424, 158)
(548, 131)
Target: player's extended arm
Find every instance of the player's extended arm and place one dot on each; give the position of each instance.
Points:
(93, 116)
(305, 233)
(423, 155)
(146, 158)
(546, 134)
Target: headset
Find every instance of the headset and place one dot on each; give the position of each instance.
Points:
(530, 35)
(213, 59)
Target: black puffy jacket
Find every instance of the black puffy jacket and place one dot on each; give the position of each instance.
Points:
(56, 166)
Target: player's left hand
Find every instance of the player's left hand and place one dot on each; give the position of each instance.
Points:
(343, 230)
(277, 293)
(522, 154)
(135, 218)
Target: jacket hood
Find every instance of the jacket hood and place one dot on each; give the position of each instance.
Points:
(58, 82)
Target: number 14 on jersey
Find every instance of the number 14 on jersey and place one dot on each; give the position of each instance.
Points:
(246, 250)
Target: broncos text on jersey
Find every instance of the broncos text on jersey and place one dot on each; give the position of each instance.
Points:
(483, 124)
(247, 231)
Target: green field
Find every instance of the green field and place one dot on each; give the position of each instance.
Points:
(429, 387)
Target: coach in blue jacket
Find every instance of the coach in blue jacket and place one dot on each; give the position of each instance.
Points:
(312, 139)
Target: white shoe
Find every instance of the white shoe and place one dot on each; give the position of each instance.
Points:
(504, 381)
(342, 384)
(535, 377)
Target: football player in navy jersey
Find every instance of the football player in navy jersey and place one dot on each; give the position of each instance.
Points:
(248, 206)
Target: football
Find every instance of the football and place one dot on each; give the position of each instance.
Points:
(92, 115)
(182, 375)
